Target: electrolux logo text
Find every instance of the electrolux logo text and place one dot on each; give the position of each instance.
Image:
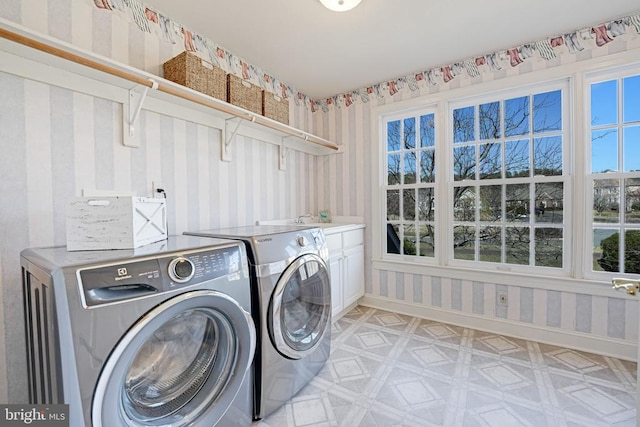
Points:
(34, 415)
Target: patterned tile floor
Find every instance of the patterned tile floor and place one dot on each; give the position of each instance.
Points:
(387, 369)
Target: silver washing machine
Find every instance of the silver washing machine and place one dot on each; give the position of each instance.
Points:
(292, 308)
(155, 336)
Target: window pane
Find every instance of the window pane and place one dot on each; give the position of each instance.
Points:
(604, 150)
(464, 204)
(409, 204)
(409, 241)
(606, 201)
(393, 239)
(410, 168)
(631, 99)
(490, 120)
(549, 202)
(548, 247)
(427, 131)
(606, 250)
(516, 162)
(547, 156)
(427, 239)
(464, 242)
(632, 200)
(464, 163)
(426, 204)
(631, 148)
(516, 116)
(490, 161)
(409, 133)
(464, 124)
(490, 244)
(393, 169)
(632, 252)
(490, 203)
(518, 202)
(604, 103)
(517, 241)
(393, 136)
(547, 111)
(393, 205)
(427, 166)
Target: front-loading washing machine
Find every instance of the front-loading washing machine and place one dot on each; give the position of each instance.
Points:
(292, 307)
(156, 336)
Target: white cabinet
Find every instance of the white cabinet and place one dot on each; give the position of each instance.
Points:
(353, 283)
(346, 264)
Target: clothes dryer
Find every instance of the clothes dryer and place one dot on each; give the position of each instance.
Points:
(291, 308)
(159, 335)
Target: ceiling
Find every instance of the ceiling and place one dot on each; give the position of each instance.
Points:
(322, 53)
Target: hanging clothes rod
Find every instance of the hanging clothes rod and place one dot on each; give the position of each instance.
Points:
(166, 87)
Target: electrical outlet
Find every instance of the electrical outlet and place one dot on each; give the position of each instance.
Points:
(157, 189)
(502, 299)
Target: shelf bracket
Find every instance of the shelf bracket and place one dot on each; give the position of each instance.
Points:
(130, 114)
(283, 152)
(227, 136)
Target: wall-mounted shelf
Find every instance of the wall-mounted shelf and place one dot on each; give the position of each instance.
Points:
(42, 58)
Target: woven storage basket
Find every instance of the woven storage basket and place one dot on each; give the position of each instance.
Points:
(275, 107)
(191, 71)
(243, 94)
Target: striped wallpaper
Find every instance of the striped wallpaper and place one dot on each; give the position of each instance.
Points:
(345, 186)
(56, 142)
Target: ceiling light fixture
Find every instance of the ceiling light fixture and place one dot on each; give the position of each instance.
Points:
(340, 5)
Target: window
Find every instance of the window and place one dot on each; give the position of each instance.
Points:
(614, 174)
(508, 178)
(410, 184)
(494, 181)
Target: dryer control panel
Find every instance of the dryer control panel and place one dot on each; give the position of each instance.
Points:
(142, 277)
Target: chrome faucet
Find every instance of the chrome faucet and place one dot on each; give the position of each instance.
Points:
(300, 219)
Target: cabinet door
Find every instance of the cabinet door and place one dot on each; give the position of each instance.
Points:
(353, 284)
(335, 271)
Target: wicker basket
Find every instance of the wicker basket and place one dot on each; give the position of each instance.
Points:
(275, 107)
(191, 71)
(243, 94)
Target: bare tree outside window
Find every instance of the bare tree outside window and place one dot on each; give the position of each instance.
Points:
(411, 168)
(505, 155)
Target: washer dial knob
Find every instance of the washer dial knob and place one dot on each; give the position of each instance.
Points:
(301, 241)
(181, 269)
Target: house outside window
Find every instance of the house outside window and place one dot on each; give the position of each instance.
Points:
(509, 178)
(614, 173)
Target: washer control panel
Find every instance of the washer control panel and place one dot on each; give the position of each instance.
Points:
(142, 277)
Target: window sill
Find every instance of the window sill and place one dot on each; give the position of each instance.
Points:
(528, 280)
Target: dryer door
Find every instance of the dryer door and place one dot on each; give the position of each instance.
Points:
(182, 363)
(300, 309)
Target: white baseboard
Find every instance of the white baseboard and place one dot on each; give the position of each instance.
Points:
(605, 346)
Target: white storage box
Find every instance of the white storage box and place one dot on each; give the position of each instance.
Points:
(115, 222)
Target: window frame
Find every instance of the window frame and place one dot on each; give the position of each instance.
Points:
(574, 281)
(617, 73)
(565, 85)
(385, 119)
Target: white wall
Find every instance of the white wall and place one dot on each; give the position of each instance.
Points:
(56, 142)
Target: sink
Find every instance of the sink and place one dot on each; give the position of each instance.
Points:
(320, 224)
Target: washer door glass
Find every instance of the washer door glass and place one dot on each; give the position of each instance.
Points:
(173, 364)
(180, 363)
(301, 307)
